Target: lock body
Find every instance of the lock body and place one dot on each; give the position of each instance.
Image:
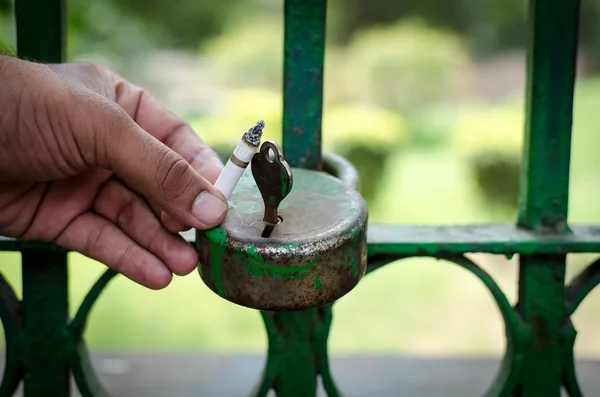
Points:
(315, 255)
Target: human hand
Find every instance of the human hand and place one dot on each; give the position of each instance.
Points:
(94, 164)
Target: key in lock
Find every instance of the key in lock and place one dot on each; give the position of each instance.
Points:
(273, 177)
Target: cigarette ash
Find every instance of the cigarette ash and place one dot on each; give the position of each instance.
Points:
(254, 134)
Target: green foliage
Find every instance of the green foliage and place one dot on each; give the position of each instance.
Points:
(432, 125)
(8, 41)
(100, 31)
(486, 24)
(184, 23)
(369, 161)
(497, 177)
(481, 129)
(115, 29)
(367, 126)
(238, 112)
(402, 66)
(490, 138)
(366, 136)
(249, 54)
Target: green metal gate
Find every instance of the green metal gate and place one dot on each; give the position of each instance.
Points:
(44, 346)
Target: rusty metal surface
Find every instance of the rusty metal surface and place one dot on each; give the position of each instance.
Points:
(314, 256)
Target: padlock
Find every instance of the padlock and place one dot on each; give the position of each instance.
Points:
(315, 254)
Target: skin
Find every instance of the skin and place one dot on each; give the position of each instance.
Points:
(95, 164)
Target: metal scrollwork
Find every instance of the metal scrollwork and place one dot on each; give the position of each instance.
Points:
(10, 308)
(577, 290)
(517, 334)
(83, 371)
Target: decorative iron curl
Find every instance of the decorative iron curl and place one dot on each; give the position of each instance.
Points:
(582, 285)
(78, 324)
(517, 333)
(85, 377)
(10, 314)
(569, 375)
(577, 290)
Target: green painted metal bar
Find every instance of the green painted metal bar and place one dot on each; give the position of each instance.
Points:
(542, 307)
(41, 38)
(41, 30)
(45, 335)
(304, 52)
(544, 189)
(551, 65)
(504, 239)
(415, 240)
(297, 352)
(11, 244)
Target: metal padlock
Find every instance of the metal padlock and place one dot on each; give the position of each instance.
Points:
(315, 254)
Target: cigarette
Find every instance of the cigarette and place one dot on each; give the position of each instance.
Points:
(239, 160)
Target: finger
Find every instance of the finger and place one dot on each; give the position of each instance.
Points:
(172, 224)
(169, 223)
(168, 128)
(148, 166)
(103, 241)
(134, 217)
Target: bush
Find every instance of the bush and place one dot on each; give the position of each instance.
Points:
(488, 129)
(238, 112)
(402, 66)
(497, 177)
(491, 140)
(360, 125)
(366, 136)
(248, 55)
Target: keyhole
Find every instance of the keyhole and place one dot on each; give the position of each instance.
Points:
(269, 228)
(270, 155)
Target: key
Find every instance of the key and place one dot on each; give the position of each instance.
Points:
(273, 177)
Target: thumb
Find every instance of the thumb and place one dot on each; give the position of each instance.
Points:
(154, 170)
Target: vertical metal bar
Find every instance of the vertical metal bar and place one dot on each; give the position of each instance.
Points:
(41, 30)
(551, 64)
(544, 187)
(41, 38)
(304, 51)
(542, 306)
(298, 340)
(45, 335)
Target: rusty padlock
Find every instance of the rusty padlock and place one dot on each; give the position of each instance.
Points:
(314, 253)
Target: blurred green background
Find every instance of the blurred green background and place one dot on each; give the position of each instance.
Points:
(424, 97)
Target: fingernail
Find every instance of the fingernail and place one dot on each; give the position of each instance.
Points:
(208, 208)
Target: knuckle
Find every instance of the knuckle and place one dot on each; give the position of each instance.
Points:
(94, 238)
(125, 257)
(125, 214)
(176, 179)
(155, 240)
